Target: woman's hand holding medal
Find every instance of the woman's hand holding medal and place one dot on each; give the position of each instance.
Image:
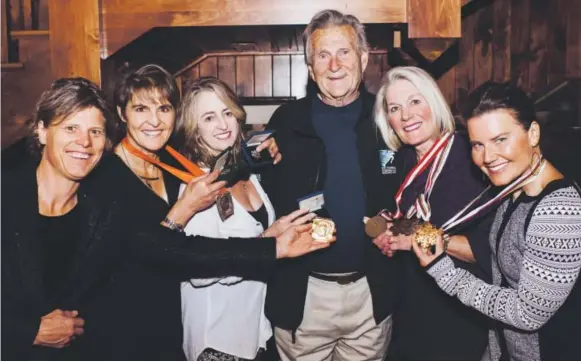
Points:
(425, 255)
(297, 240)
(199, 194)
(295, 218)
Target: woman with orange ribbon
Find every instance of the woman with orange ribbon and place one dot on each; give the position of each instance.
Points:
(415, 120)
(137, 314)
(535, 238)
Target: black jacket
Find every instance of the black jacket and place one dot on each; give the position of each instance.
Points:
(136, 315)
(24, 299)
(125, 277)
(302, 171)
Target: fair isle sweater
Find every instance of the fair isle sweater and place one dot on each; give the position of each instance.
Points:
(536, 250)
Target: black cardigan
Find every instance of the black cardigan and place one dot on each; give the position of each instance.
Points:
(303, 171)
(125, 281)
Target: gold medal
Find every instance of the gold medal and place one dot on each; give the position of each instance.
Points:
(426, 235)
(323, 229)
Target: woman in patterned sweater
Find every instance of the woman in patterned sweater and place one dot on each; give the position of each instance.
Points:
(535, 238)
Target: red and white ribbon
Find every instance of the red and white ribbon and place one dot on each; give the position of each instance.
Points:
(521, 181)
(434, 153)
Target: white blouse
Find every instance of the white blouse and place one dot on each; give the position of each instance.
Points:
(225, 314)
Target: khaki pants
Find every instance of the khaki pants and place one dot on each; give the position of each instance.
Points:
(337, 325)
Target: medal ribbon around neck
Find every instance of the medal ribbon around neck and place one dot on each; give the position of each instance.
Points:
(435, 151)
(193, 170)
(521, 181)
(421, 206)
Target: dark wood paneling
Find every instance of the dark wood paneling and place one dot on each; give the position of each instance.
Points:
(372, 75)
(281, 76)
(16, 16)
(557, 42)
(384, 65)
(227, 70)
(43, 17)
(245, 76)
(447, 85)
(299, 75)
(263, 75)
(573, 64)
(501, 40)
(483, 46)
(434, 19)
(75, 44)
(209, 67)
(519, 43)
(465, 67)
(538, 66)
(27, 13)
(4, 26)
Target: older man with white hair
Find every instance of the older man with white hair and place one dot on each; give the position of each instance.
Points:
(335, 304)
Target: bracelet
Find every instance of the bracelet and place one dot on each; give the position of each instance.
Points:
(173, 225)
(446, 238)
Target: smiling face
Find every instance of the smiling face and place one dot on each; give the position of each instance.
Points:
(336, 66)
(217, 126)
(74, 146)
(410, 116)
(150, 120)
(501, 147)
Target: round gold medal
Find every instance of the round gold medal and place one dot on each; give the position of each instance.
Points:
(323, 229)
(426, 235)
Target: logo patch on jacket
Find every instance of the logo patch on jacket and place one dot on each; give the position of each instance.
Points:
(386, 158)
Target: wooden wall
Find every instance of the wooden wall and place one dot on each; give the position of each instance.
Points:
(532, 43)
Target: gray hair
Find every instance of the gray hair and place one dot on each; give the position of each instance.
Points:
(330, 19)
(441, 113)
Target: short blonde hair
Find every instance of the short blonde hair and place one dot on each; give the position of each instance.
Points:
(187, 131)
(427, 87)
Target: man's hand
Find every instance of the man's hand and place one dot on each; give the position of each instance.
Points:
(272, 149)
(297, 241)
(199, 194)
(297, 217)
(58, 328)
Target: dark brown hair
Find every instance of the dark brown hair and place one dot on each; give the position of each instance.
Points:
(150, 78)
(493, 96)
(64, 98)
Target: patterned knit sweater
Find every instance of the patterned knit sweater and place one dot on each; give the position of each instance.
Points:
(540, 265)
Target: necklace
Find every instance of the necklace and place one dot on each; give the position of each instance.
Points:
(147, 180)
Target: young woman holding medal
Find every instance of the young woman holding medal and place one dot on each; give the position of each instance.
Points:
(137, 315)
(415, 120)
(535, 238)
(224, 317)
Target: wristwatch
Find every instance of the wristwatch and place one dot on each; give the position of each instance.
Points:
(173, 225)
(446, 238)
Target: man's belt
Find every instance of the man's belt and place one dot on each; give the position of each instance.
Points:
(339, 279)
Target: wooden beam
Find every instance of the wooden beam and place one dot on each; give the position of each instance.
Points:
(434, 18)
(126, 20)
(74, 39)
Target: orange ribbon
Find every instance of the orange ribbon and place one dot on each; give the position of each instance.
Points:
(193, 170)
